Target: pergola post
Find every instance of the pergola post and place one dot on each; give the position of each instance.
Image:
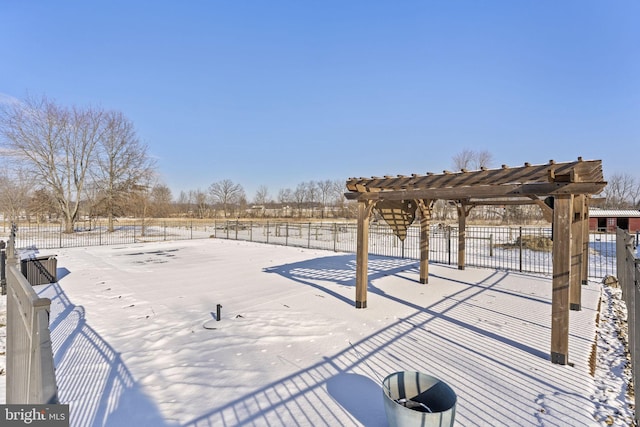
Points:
(463, 212)
(577, 250)
(362, 252)
(561, 282)
(585, 242)
(425, 217)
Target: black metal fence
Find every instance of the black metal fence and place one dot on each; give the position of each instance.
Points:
(629, 278)
(516, 248)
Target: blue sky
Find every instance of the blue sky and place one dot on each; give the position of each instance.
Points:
(277, 92)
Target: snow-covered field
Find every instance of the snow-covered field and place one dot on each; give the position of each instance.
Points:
(131, 349)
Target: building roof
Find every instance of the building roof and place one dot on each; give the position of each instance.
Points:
(614, 213)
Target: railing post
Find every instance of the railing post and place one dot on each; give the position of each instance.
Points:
(286, 235)
(309, 237)
(335, 236)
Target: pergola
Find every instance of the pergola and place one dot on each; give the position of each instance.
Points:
(562, 190)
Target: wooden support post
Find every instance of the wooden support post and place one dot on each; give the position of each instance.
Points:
(362, 253)
(463, 212)
(562, 217)
(425, 217)
(577, 235)
(585, 243)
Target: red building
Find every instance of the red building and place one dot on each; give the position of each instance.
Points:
(610, 219)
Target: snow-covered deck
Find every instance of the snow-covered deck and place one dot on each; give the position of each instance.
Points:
(291, 349)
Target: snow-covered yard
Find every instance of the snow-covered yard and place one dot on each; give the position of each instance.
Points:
(131, 349)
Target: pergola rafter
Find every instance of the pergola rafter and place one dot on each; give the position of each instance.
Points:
(562, 191)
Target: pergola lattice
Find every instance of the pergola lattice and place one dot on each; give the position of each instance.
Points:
(562, 190)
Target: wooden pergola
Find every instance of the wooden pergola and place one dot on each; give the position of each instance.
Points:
(562, 190)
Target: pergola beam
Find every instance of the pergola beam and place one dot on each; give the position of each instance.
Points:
(483, 191)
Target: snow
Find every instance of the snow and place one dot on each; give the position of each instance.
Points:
(130, 346)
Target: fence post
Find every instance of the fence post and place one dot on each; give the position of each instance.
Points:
(309, 237)
(3, 271)
(634, 331)
(335, 236)
(60, 235)
(267, 231)
(520, 249)
(237, 226)
(251, 231)
(449, 245)
(491, 244)
(286, 231)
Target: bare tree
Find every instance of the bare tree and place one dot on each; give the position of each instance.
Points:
(41, 204)
(338, 188)
(621, 191)
(285, 196)
(161, 199)
(139, 202)
(14, 194)
(634, 196)
(184, 204)
(122, 164)
(199, 199)
(312, 195)
(469, 159)
(226, 193)
(262, 196)
(324, 188)
(482, 159)
(57, 145)
(463, 159)
(299, 197)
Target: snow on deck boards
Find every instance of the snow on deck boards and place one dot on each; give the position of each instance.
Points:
(291, 348)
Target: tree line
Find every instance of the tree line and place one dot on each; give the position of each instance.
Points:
(227, 199)
(66, 163)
